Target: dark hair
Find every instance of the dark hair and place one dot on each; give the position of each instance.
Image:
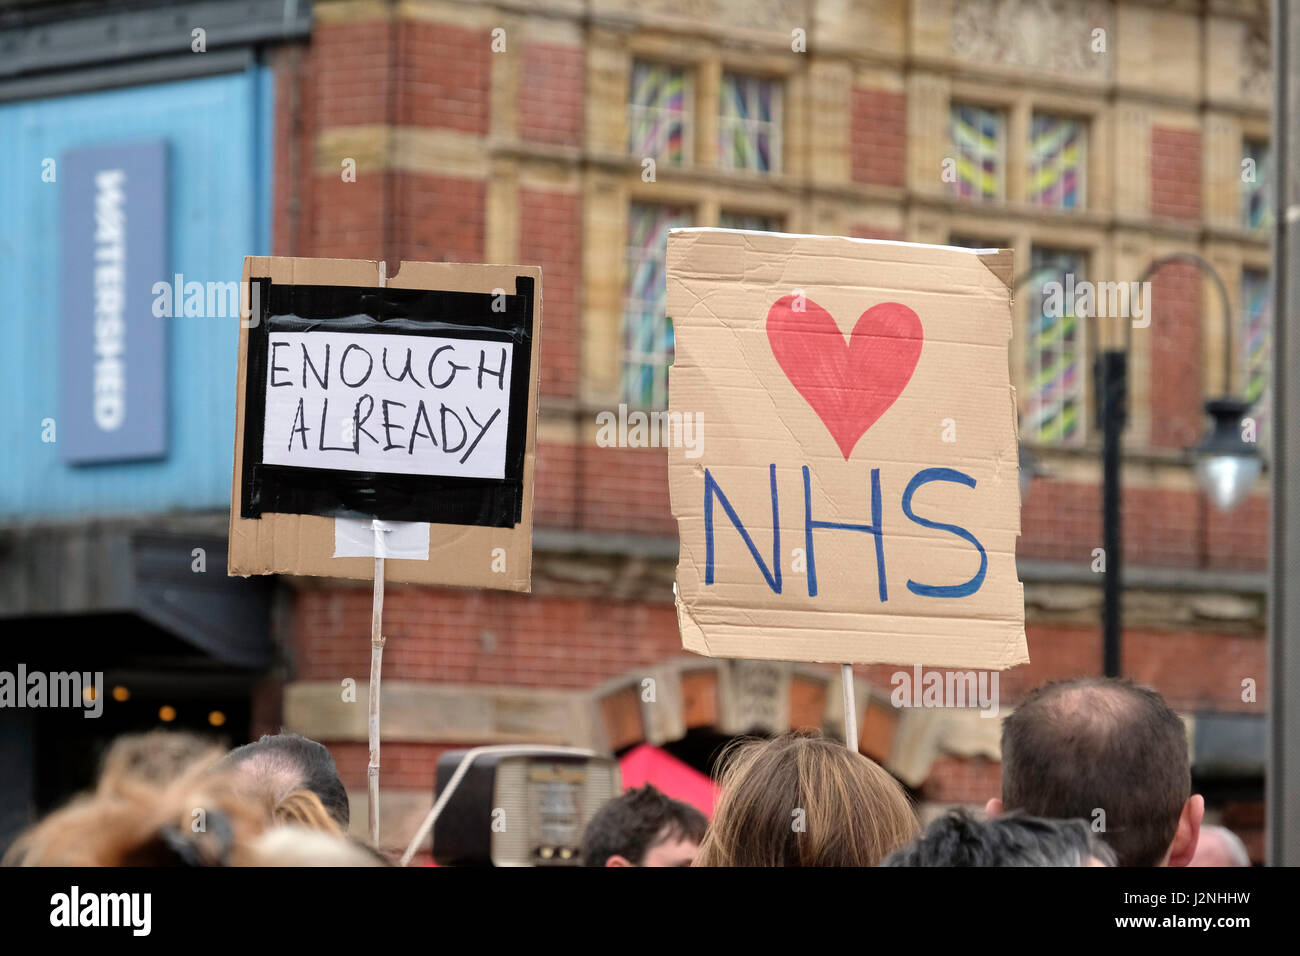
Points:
(958, 839)
(633, 824)
(299, 764)
(1075, 747)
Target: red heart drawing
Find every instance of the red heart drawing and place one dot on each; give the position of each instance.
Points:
(849, 385)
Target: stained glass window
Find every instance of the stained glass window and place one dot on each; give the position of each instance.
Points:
(751, 221)
(1054, 373)
(658, 113)
(1256, 347)
(749, 124)
(1058, 158)
(647, 331)
(1256, 185)
(979, 150)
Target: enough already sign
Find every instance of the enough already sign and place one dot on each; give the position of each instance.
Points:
(411, 401)
(857, 499)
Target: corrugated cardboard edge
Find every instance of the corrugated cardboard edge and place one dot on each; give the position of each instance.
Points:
(278, 544)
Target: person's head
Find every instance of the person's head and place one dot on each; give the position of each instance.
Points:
(644, 827)
(803, 800)
(151, 806)
(958, 839)
(274, 768)
(1110, 752)
(1219, 846)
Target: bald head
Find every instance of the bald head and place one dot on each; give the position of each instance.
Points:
(1219, 846)
(279, 764)
(1106, 751)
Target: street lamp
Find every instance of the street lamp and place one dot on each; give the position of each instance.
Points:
(1227, 464)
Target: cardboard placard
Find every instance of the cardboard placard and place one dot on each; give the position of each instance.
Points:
(414, 403)
(857, 498)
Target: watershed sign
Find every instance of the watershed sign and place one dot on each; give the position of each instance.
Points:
(113, 349)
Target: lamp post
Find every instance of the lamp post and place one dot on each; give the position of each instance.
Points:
(1226, 464)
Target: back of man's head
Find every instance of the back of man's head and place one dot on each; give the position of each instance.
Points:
(1074, 748)
(958, 839)
(628, 831)
(277, 765)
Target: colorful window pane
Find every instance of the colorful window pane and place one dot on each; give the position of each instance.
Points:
(979, 149)
(1058, 159)
(647, 331)
(749, 124)
(1054, 373)
(1256, 185)
(658, 120)
(751, 221)
(1257, 347)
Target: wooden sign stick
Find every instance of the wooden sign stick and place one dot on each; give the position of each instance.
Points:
(376, 658)
(850, 708)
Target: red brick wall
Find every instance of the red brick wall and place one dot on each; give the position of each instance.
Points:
(878, 137)
(440, 218)
(346, 220)
(1061, 521)
(1175, 173)
(550, 235)
(551, 94)
(445, 76)
(863, 231)
(1195, 671)
(353, 66)
(480, 637)
(1177, 405)
(587, 487)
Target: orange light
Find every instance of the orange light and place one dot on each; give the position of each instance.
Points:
(216, 718)
(88, 693)
(121, 694)
(166, 713)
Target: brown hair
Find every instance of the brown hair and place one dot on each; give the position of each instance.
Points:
(803, 800)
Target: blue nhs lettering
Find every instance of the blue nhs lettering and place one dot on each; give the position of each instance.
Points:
(772, 574)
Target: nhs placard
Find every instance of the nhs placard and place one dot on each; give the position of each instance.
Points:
(113, 349)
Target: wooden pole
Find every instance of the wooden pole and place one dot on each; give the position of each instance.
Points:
(376, 667)
(376, 658)
(850, 708)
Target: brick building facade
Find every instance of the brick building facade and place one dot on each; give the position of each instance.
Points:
(1091, 137)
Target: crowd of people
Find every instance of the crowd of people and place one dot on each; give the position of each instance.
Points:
(1095, 772)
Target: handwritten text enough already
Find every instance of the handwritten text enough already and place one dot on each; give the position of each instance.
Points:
(387, 403)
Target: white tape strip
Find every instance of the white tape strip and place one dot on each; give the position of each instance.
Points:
(405, 540)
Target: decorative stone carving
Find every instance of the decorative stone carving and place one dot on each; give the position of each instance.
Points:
(1046, 35)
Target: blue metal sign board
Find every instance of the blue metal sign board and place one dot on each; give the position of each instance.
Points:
(113, 349)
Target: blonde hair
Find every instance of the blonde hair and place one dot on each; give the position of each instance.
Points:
(803, 800)
(156, 803)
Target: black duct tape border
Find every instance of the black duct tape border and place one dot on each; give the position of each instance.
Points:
(280, 489)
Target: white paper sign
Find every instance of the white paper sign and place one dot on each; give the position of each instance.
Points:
(406, 404)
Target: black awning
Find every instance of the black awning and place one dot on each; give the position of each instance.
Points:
(174, 578)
